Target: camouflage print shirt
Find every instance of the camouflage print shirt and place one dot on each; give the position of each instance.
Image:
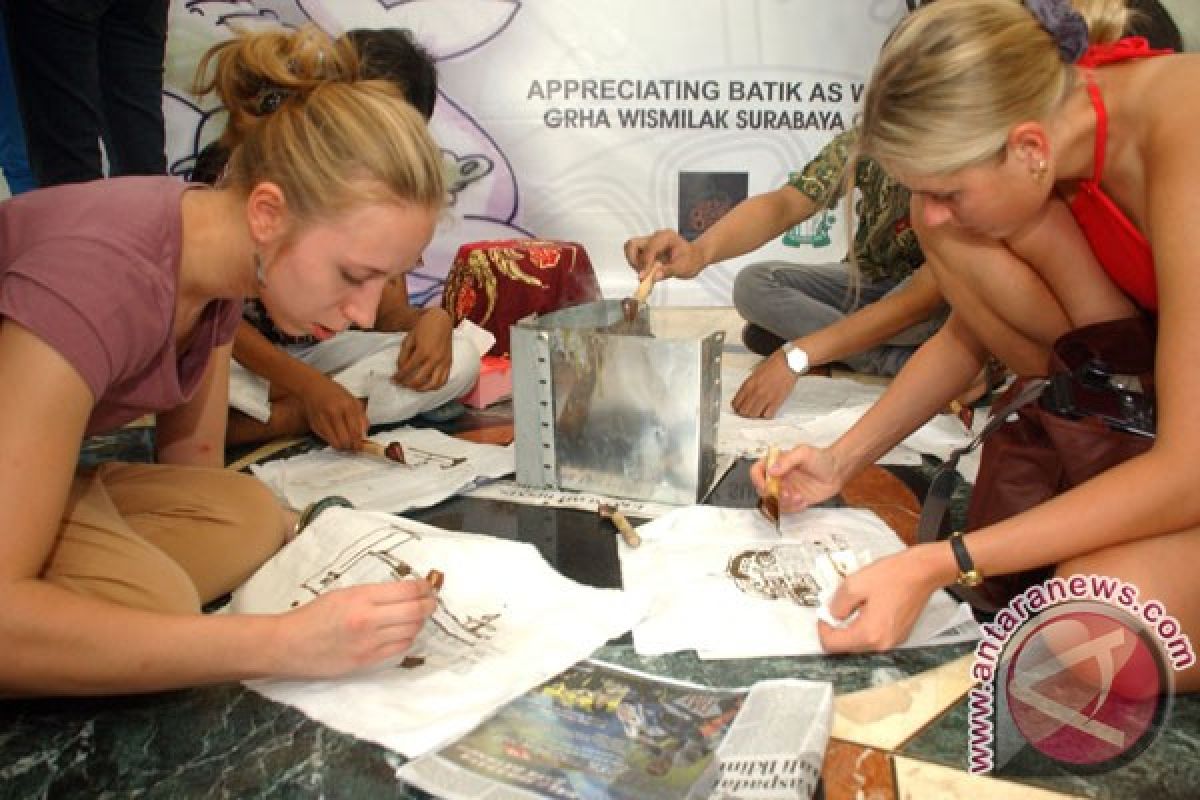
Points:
(885, 246)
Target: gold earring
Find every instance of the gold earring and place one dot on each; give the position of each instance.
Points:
(1039, 170)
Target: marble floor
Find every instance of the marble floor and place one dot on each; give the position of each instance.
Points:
(900, 727)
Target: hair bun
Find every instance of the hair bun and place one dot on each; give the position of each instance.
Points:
(1065, 25)
(269, 100)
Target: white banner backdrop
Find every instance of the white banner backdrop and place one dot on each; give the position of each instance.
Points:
(597, 121)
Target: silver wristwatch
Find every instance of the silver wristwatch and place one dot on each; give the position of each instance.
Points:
(797, 359)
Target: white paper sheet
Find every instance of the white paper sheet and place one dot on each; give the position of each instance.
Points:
(505, 622)
(820, 409)
(750, 438)
(813, 395)
(438, 467)
(724, 583)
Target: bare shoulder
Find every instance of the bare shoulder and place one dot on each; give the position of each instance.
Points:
(1157, 101)
(1166, 90)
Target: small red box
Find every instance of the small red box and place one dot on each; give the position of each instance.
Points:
(494, 384)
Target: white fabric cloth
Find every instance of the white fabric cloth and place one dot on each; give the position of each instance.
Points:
(363, 362)
(436, 467)
(724, 583)
(505, 621)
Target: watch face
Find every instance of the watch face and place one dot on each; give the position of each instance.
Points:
(971, 577)
(797, 360)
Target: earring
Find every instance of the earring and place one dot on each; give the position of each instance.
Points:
(1039, 170)
(260, 271)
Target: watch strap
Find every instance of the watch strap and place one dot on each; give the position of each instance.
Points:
(968, 574)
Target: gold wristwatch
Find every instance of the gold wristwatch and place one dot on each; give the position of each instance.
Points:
(968, 575)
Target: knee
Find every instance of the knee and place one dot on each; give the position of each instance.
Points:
(158, 585)
(750, 285)
(253, 509)
(1105, 650)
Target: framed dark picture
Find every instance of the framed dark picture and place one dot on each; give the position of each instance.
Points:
(704, 197)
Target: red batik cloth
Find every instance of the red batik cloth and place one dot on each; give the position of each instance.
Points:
(495, 283)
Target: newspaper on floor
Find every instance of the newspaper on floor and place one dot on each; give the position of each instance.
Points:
(436, 467)
(601, 732)
(724, 583)
(505, 621)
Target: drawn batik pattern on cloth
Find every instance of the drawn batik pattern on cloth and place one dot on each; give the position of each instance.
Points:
(505, 622)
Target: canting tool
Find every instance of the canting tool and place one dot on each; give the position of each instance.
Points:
(769, 504)
(391, 452)
(609, 511)
(633, 321)
(436, 579)
(632, 306)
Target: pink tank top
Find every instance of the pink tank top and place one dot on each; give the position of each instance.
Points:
(1121, 248)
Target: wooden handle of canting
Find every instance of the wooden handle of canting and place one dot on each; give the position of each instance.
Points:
(627, 531)
(372, 448)
(772, 480)
(393, 452)
(643, 289)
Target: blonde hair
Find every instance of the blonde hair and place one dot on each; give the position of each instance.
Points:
(300, 117)
(955, 76)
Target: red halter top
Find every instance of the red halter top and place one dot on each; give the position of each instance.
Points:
(1121, 248)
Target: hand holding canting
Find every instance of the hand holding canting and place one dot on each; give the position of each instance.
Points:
(348, 629)
(807, 476)
(665, 252)
(333, 414)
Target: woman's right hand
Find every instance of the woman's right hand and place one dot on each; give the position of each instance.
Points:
(349, 629)
(334, 414)
(665, 251)
(807, 476)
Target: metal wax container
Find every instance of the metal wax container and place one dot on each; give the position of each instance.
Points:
(616, 408)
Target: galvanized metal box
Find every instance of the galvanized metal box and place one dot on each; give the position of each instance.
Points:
(604, 406)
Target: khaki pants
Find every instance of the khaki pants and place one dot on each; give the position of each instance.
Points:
(163, 538)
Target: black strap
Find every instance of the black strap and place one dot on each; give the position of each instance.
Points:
(945, 479)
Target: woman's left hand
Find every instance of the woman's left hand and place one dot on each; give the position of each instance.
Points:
(768, 386)
(888, 595)
(425, 355)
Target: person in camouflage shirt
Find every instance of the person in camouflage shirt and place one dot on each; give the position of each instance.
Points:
(870, 310)
(885, 247)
